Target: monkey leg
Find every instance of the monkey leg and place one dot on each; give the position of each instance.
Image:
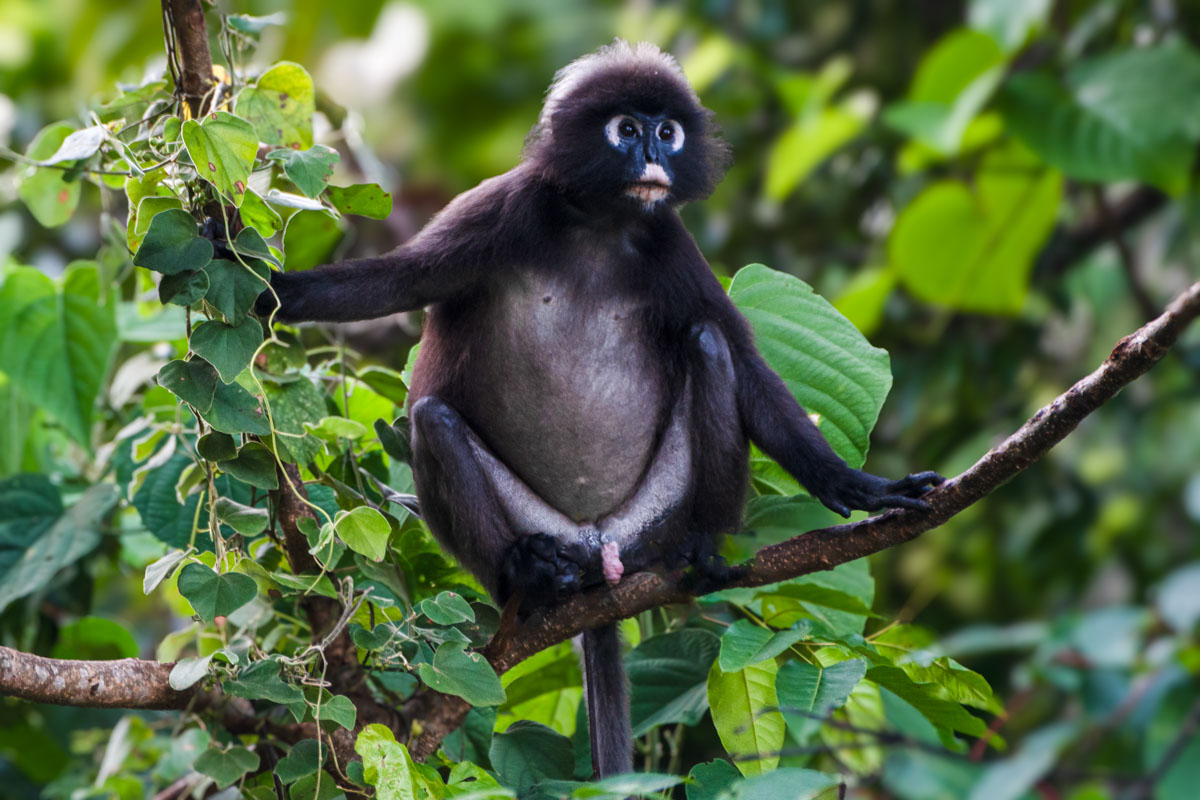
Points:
(500, 530)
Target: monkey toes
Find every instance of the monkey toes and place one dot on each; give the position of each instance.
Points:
(544, 567)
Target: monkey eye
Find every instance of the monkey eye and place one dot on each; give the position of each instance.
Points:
(671, 133)
(621, 128)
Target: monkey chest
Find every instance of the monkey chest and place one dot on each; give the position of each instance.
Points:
(573, 395)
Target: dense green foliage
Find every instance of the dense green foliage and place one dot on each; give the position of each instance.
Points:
(927, 170)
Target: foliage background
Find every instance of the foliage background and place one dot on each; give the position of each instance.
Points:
(1073, 590)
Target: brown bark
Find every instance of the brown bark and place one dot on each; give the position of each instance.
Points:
(190, 35)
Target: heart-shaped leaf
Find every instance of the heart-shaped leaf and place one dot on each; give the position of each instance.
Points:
(173, 244)
(250, 244)
(309, 169)
(194, 382)
(447, 608)
(233, 287)
(305, 758)
(183, 289)
(50, 197)
(365, 531)
(223, 148)
(235, 410)
(226, 766)
(281, 106)
(212, 594)
(216, 446)
(467, 675)
(229, 348)
(255, 465)
(246, 520)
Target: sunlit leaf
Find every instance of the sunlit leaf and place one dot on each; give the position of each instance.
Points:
(740, 702)
(280, 105)
(212, 594)
(309, 169)
(46, 192)
(363, 199)
(223, 148)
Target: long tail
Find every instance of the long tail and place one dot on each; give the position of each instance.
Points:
(607, 702)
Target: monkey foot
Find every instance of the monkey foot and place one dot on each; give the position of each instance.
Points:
(543, 568)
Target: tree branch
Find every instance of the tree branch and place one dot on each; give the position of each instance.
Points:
(187, 41)
(131, 683)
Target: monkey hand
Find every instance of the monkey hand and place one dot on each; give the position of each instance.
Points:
(857, 489)
(545, 568)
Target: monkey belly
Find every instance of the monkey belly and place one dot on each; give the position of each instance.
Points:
(575, 398)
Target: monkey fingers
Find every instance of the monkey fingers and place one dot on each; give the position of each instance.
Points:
(546, 568)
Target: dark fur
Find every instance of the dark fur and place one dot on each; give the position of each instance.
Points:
(582, 375)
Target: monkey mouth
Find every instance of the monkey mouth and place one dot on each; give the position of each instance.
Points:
(649, 191)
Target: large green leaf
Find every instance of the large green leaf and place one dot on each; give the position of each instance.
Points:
(791, 782)
(930, 699)
(468, 675)
(953, 82)
(386, 764)
(363, 199)
(668, 678)
(741, 702)
(233, 286)
(972, 248)
(280, 105)
(46, 191)
(1009, 22)
(814, 691)
(745, 643)
(831, 369)
(1123, 116)
(223, 148)
(365, 531)
(28, 562)
(56, 341)
(309, 239)
(194, 382)
(226, 766)
(235, 410)
(528, 753)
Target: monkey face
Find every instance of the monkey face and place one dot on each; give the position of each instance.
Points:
(646, 145)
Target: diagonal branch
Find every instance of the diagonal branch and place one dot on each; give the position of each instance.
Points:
(130, 683)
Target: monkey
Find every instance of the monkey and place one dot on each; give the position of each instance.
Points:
(585, 391)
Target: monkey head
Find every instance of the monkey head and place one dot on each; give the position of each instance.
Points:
(622, 129)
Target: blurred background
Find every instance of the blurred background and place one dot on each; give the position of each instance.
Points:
(853, 125)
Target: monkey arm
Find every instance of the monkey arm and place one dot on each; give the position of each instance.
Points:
(480, 228)
(781, 428)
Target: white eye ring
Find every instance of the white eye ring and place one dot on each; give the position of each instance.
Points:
(674, 134)
(612, 131)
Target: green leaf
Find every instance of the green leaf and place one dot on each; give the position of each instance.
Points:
(309, 169)
(1014, 777)
(292, 405)
(447, 608)
(1009, 22)
(954, 81)
(256, 25)
(255, 465)
(216, 446)
(395, 439)
(339, 710)
(386, 764)
(234, 287)
(187, 672)
(56, 341)
(809, 142)
(365, 531)
(839, 599)
(816, 691)
(333, 428)
(826, 363)
(668, 678)
(223, 149)
(229, 348)
(973, 250)
(304, 758)
(214, 595)
(466, 675)
(280, 106)
(309, 239)
(94, 639)
(709, 781)
(1089, 143)
(36, 542)
(173, 244)
(929, 699)
(745, 643)
(363, 199)
(183, 289)
(245, 520)
(139, 220)
(790, 782)
(226, 766)
(528, 753)
(235, 410)
(46, 192)
(256, 213)
(620, 787)
(751, 733)
(82, 144)
(250, 245)
(261, 681)
(194, 382)
(157, 571)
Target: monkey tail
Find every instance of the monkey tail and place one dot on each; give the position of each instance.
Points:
(607, 702)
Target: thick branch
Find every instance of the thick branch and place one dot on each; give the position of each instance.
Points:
(190, 35)
(826, 548)
(130, 683)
